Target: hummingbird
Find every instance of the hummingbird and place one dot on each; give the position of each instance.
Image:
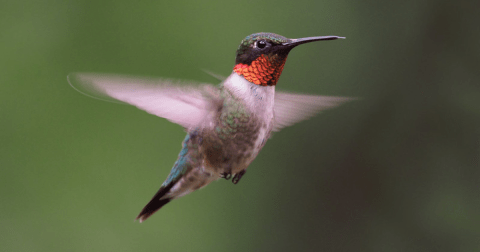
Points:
(227, 125)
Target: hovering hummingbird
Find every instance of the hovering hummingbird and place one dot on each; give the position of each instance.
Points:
(227, 125)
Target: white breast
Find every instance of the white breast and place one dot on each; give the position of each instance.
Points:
(259, 100)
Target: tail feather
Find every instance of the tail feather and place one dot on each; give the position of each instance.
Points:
(155, 203)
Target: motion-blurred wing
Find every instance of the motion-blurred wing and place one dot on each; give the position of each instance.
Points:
(186, 106)
(292, 108)
(215, 75)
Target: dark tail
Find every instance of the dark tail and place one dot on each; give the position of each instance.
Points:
(155, 203)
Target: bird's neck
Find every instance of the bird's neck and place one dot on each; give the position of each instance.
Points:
(258, 99)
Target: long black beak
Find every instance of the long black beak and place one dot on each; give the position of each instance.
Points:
(294, 42)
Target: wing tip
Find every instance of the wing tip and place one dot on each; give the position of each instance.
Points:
(85, 85)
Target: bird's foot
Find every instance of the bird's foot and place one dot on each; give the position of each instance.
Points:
(238, 176)
(226, 175)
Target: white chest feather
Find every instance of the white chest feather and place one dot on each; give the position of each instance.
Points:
(258, 99)
(260, 102)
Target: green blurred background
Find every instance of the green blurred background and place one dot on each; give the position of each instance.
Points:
(396, 171)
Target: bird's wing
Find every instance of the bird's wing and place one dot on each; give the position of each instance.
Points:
(215, 75)
(292, 108)
(184, 105)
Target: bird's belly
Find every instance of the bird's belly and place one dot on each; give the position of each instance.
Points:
(232, 153)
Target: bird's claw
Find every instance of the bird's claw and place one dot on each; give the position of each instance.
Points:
(225, 175)
(238, 176)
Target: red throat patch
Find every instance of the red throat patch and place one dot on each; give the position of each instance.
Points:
(265, 70)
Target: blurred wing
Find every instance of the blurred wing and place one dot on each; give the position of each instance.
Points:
(186, 106)
(292, 108)
(215, 75)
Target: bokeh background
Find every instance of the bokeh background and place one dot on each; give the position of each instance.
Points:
(398, 170)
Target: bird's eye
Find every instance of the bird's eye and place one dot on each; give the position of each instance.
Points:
(261, 44)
